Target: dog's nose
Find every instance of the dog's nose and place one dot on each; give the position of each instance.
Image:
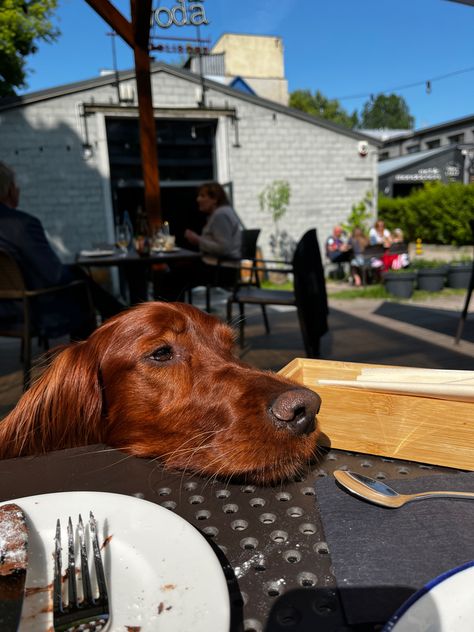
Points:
(295, 410)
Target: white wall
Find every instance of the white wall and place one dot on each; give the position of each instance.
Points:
(72, 196)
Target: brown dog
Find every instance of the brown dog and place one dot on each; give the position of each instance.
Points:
(160, 380)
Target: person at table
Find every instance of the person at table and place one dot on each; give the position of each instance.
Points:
(337, 246)
(221, 236)
(378, 234)
(23, 236)
(399, 259)
(220, 239)
(357, 241)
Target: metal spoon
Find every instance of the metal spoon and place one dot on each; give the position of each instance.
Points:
(380, 494)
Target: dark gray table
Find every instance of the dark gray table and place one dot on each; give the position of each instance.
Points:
(136, 269)
(269, 540)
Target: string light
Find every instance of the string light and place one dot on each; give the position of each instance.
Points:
(426, 83)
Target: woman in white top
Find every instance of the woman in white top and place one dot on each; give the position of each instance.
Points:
(378, 234)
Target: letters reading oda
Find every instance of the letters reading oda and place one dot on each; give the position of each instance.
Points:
(181, 15)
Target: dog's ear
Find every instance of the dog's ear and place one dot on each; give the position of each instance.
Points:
(62, 409)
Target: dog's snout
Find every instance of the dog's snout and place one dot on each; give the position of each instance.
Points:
(295, 410)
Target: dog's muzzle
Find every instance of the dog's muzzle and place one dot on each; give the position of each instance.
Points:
(295, 410)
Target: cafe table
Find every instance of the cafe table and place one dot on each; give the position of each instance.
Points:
(135, 269)
(269, 540)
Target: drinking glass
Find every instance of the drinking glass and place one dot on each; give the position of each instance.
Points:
(123, 237)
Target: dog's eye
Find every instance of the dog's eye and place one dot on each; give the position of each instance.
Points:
(162, 354)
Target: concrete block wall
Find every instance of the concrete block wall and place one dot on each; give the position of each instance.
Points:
(43, 142)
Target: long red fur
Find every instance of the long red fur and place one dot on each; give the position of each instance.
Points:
(201, 410)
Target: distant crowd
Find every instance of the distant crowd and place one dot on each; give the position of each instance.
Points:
(368, 255)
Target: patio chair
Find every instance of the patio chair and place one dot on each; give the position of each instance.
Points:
(227, 271)
(470, 289)
(309, 295)
(33, 322)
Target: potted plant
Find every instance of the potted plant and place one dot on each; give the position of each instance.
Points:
(400, 283)
(459, 273)
(431, 274)
(274, 199)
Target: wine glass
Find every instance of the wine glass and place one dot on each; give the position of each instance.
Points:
(123, 237)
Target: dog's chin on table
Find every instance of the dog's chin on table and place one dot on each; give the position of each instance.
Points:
(161, 380)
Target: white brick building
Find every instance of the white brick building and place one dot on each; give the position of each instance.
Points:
(75, 150)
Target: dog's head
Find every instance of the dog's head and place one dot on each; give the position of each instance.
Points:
(161, 380)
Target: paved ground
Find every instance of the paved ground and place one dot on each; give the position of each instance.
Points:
(361, 330)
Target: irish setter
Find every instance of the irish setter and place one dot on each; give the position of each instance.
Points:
(161, 380)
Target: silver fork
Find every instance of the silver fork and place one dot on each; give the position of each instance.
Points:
(91, 613)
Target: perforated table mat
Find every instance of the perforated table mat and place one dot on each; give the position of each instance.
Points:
(270, 541)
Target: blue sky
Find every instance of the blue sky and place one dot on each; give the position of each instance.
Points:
(341, 47)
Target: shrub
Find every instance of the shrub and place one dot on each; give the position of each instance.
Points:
(427, 264)
(437, 213)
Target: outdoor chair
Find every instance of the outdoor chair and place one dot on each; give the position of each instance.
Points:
(29, 325)
(470, 289)
(227, 271)
(309, 294)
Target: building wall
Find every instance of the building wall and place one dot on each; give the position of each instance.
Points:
(43, 142)
(257, 59)
(428, 139)
(251, 55)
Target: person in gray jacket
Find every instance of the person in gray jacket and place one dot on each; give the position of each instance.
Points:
(222, 235)
(220, 241)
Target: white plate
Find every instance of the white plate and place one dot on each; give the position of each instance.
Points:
(445, 604)
(96, 253)
(154, 561)
(174, 249)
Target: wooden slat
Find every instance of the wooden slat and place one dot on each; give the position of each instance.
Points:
(411, 427)
(141, 11)
(114, 19)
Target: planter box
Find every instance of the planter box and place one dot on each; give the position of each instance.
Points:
(459, 275)
(431, 279)
(400, 426)
(400, 284)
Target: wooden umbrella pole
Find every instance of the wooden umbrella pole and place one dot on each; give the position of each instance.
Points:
(141, 12)
(137, 34)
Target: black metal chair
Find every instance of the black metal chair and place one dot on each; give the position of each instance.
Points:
(227, 271)
(309, 295)
(26, 326)
(470, 289)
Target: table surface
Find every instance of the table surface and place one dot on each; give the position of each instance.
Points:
(132, 258)
(269, 540)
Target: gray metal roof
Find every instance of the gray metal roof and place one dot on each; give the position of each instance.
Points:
(8, 103)
(395, 164)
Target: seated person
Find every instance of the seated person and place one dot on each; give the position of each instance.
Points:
(378, 234)
(221, 238)
(23, 236)
(357, 241)
(337, 246)
(396, 260)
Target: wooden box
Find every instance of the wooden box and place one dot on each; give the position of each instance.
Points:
(400, 426)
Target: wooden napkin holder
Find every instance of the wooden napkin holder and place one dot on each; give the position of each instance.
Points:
(399, 426)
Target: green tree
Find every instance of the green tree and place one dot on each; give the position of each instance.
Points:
(361, 215)
(23, 23)
(318, 105)
(386, 111)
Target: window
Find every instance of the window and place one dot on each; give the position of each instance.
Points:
(432, 144)
(456, 138)
(412, 149)
(384, 155)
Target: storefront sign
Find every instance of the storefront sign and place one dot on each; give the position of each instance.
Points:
(184, 13)
(452, 171)
(422, 175)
